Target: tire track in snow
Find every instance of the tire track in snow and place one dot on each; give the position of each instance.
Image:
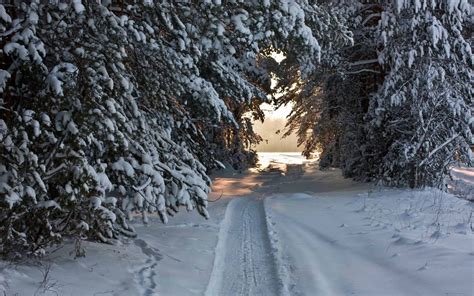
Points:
(244, 263)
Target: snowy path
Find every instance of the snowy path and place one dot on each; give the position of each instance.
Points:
(246, 262)
(245, 265)
(307, 232)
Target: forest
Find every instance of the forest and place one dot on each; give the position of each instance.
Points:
(113, 109)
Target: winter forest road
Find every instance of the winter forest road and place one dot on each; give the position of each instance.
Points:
(297, 230)
(244, 263)
(246, 259)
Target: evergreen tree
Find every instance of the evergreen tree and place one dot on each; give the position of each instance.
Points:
(331, 103)
(112, 108)
(396, 105)
(423, 110)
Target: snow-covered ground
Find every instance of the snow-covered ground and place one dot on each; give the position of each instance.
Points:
(386, 243)
(286, 229)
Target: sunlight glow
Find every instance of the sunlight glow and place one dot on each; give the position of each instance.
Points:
(280, 113)
(272, 129)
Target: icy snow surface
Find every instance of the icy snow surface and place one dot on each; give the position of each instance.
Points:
(284, 229)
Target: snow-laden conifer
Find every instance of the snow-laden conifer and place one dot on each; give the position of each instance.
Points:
(111, 109)
(423, 110)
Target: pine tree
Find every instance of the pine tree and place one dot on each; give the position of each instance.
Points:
(110, 109)
(423, 110)
(396, 105)
(330, 104)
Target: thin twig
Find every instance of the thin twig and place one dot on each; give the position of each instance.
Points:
(222, 193)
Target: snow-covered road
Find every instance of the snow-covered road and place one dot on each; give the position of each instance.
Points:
(288, 229)
(247, 259)
(244, 264)
(306, 232)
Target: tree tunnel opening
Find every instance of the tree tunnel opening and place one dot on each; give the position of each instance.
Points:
(272, 128)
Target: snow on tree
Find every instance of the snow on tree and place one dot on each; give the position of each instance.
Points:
(396, 105)
(423, 110)
(330, 104)
(109, 108)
